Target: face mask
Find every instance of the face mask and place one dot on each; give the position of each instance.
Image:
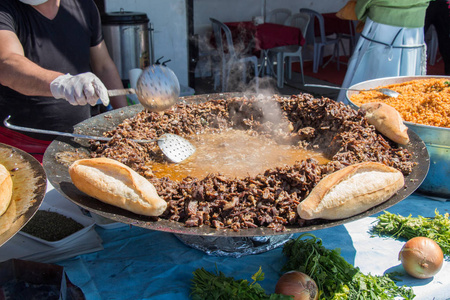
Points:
(33, 2)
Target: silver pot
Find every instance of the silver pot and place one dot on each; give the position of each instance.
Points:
(128, 37)
(436, 139)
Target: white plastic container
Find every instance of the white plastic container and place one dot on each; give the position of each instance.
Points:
(85, 221)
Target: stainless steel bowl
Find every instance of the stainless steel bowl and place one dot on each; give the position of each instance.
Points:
(436, 139)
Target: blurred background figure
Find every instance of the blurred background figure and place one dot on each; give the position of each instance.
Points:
(392, 42)
(438, 15)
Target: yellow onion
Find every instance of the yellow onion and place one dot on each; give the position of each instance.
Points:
(421, 257)
(297, 284)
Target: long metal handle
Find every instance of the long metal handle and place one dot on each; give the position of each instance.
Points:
(74, 135)
(329, 87)
(121, 92)
(385, 91)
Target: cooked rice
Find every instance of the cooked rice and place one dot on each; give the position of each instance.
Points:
(422, 101)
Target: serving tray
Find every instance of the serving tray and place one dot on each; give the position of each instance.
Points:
(29, 187)
(59, 177)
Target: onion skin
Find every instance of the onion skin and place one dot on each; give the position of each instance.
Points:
(421, 257)
(297, 284)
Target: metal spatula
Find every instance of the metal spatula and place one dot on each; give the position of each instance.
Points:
(157, 88)
(174, 147)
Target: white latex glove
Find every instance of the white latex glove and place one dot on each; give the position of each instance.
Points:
(80, 89)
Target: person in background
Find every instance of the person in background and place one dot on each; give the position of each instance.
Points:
(391, 42)
(438, 14)
(54, 65)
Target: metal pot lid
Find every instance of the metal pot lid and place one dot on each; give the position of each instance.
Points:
(59, 177)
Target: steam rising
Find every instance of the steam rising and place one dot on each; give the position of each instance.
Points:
(261, 89)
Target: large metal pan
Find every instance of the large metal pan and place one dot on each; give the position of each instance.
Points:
(437, 140)
(29, 186)
(60, 179)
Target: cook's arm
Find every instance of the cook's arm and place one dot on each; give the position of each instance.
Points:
(18, 72)
(103, 66)
(24, 76)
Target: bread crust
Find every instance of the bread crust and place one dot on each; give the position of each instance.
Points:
(8, 218)
(351, 191)
(386, 120)
(6, 186)
(115, 183)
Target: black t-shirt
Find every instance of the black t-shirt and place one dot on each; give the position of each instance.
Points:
(62, 44)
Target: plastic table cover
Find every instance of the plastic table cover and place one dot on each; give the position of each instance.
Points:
(139, 263)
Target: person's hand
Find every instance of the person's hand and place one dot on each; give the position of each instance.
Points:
(81, 89)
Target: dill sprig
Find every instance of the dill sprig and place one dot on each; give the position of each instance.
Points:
(398, 226)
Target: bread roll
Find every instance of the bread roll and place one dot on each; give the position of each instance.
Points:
(8, 218)
(114, 183)
(351, 191)
(386, 120)
(5, 189)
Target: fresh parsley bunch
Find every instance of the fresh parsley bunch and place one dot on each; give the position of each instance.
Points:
(210, 286)
(334, 276)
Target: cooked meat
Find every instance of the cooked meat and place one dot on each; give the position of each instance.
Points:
(269, 199)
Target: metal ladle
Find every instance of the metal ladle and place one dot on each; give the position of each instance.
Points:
(387, 92)
(157, 88)
(174, 147)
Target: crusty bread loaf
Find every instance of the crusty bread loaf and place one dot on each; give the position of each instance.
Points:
(386, 120)
(6, 186)
(114, 183)
(351, 191)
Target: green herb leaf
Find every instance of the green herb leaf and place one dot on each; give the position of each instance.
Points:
(258, 276)
(206, 285)
(397, 226)
(334, 276)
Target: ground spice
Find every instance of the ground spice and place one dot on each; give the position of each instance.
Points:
(51, 226)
